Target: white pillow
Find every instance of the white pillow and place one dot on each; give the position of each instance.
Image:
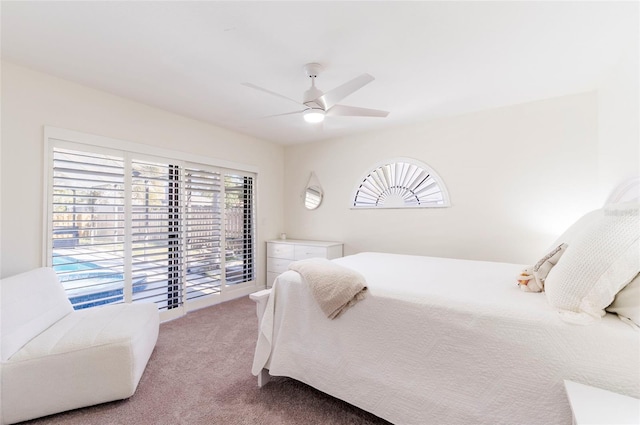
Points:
(601, 259)
(576, 228)
(627, 302)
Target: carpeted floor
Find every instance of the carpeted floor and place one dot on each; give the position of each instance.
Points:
(200, 373)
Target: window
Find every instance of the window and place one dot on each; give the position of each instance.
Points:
(125, 226)
(400, 183)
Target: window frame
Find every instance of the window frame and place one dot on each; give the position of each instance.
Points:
(68, 139)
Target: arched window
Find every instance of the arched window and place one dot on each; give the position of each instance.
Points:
(401, 183)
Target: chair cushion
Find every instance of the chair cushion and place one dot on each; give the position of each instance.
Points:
(30, 303)
(92, 327)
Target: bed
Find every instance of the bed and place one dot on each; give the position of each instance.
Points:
(443, 341)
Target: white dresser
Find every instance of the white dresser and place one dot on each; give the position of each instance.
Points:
(282, 252)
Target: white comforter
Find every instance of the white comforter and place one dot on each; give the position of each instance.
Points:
(443, 341)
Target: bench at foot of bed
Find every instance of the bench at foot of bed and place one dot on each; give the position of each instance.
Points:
(261, 298)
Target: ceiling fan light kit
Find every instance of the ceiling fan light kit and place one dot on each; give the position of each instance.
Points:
(313, 115)
(319, 104)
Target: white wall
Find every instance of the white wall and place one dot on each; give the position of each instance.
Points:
(31, 100)
(618, 123)
(517, 176)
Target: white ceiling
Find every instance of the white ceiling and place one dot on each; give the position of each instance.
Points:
(429, 58)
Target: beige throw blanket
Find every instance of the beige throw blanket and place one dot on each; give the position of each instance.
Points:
(335, 288)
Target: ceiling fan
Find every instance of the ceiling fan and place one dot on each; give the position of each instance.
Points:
(318, 104)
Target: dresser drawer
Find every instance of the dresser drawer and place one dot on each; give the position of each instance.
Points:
(303, 252)
(271, 277)
(281, 253)
(277, 265)
(280, 250)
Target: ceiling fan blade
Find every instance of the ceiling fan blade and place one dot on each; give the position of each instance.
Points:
(334, 96)
(253, 86)
(281, 115)
(353, 111)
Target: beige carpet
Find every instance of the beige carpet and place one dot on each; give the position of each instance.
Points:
(200, 373)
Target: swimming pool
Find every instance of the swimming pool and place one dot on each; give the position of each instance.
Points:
(89, 284)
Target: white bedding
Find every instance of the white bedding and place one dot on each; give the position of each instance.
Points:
(443, 341)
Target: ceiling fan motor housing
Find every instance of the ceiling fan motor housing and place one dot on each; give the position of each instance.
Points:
(309, 97)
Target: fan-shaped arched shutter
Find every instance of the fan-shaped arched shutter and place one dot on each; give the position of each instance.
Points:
(401, 183)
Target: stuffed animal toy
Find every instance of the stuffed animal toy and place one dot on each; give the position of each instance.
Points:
(532, 278)
(528, 282)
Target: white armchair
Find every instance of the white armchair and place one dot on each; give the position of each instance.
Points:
(53, 358)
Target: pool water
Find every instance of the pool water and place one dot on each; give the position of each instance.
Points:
(88, 284)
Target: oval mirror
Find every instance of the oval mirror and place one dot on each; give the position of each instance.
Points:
(312, 197)
(312, 193)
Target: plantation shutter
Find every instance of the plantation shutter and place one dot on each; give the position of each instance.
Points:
(134, 227)
(401, 184)
(203, 221)
(156, 233)
(87, 216)
(239, 228)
